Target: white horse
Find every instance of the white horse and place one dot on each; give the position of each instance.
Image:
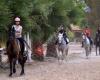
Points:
(61, 47)
(87, 46)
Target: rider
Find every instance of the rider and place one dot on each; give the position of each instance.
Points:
(64, 34)
(87, 32)
(18, 32)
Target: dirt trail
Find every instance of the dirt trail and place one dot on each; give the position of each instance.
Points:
(77, 67)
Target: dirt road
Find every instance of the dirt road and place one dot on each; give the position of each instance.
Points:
(77, 67)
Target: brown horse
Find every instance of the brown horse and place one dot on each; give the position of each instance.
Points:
(15, 53)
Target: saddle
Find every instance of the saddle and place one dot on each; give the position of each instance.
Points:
(65, 39)
(25, 53)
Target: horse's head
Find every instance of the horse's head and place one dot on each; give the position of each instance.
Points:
(12, 35)
(60, 38)
(13, 47)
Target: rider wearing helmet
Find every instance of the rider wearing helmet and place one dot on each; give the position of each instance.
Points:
(18, 28)
(87, 32)
(18, 32)
(61, 30)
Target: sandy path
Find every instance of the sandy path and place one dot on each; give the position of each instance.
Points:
(76, 68)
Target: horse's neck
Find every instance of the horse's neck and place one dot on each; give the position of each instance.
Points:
(63, 41)
(11, 47)
(15, 44)
(87, 41)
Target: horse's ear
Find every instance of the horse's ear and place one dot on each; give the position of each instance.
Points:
(13, 29)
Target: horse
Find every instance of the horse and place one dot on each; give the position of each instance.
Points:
(97, 43)
(61, 47)
(15, 53)
(87, 44)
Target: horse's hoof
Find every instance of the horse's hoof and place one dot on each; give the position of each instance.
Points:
(21, 74)
(87, 57)
(10, 75)
(14, 70)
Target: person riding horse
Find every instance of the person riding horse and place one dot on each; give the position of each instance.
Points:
(61, 30)
(87, 32)
(15, 47)
(18, 33)
(97, 40)
(62, 45)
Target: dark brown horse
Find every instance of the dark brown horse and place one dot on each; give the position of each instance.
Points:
(15, 53)
(97, 42)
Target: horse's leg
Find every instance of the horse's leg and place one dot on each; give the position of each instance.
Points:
(66, 53)
(86, 49)
(57, 53)
(14, 63)
(82, 44)
(62, 55)
(11, 64)
(99, 50)
(90, 48)
(67, 47)
(22, 66)
(22, 72)
(22, 61)
(96, 50)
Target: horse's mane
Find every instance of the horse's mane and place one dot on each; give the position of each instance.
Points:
(12, 40)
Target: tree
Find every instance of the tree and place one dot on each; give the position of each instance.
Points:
(5, 19)
(41, 17)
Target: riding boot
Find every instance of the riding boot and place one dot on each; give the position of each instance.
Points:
(82, 43)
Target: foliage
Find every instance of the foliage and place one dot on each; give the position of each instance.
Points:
(5, 15)
(41, 17)
(71, 35)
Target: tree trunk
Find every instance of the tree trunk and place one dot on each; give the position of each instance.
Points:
(28, 40)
